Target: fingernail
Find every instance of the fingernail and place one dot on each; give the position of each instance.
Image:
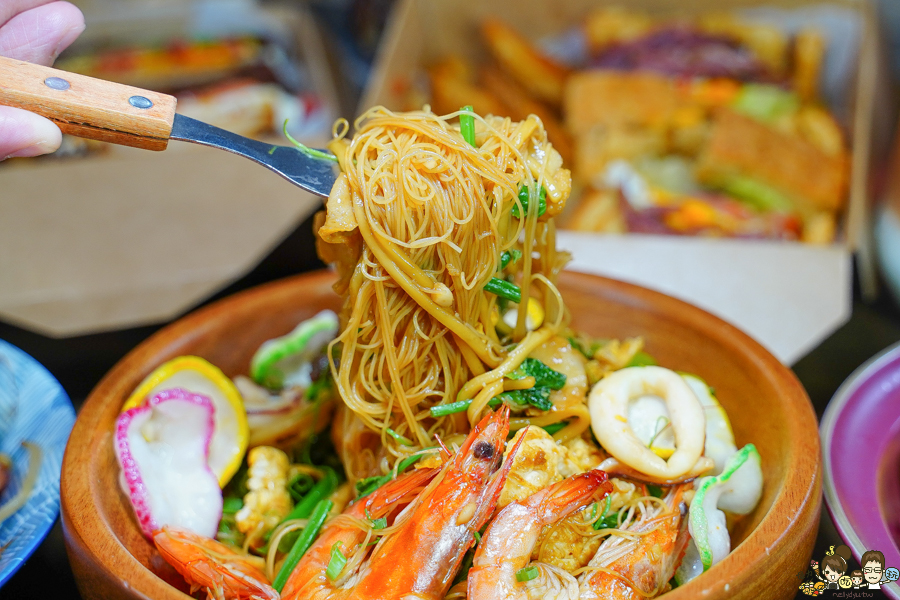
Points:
(36, 149)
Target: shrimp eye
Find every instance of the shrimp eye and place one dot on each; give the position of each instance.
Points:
(483, 450)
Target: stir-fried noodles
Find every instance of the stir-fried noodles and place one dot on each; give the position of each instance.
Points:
(428, 216)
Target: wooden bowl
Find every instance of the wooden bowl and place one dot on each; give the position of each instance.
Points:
(766, 404)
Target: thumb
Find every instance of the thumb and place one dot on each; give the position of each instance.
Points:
(26, 134)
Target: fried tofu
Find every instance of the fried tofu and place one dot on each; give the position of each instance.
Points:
(543, 78)
(741, 146)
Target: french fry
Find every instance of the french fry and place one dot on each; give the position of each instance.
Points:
(543, 78)
(520, 105)
(809, 52)
(451, 90)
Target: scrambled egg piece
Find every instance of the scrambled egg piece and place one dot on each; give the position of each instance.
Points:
(539, 462)
(568, 544)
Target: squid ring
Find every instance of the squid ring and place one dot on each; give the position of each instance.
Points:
(608, 403)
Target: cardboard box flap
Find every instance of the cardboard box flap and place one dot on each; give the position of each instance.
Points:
(788, 297)
(150, 240)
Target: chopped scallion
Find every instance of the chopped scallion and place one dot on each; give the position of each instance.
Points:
(311, 152)
(527, 574)
(336, 563)
(504, 289)
(467, 125)
(401, 439)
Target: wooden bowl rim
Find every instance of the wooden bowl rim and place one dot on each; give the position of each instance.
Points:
(86, 529)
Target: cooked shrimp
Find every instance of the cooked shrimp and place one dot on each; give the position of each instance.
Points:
(418, 556)
(443, 520)
(308, 580)
(206, 563)
(609, 401)
(508, 542)
(639, 562)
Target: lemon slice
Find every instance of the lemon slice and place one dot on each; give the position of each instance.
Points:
(719, 444)
(192, 373)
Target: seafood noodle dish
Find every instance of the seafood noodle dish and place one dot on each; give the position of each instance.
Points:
(446, 433)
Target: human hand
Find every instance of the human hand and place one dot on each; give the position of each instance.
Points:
(34, 31)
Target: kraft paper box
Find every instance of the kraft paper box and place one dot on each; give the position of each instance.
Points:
(133, 237)
(787, 295)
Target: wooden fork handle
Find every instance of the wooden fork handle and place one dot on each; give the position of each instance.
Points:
(89, 108)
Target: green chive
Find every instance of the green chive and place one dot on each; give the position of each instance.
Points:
(402, 440)
(553, 428)
(524, 198)
(364, 487)
(442, 410)
(527, 574)
(504, 289)
(323, 488)
(606, 520)
(336, 563)
(316, 520)
(467, 125)
(477, 537)
(311, 152)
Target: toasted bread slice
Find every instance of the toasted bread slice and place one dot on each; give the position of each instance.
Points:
(741, 146)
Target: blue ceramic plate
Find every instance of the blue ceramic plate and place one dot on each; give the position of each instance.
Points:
(44, 416)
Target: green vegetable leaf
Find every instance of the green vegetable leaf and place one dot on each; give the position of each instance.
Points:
(509, 256)
(380, 523)
(231, 505)
(524, 198)
(539, 397)
(656, 491)
(543, 375)
(300, 485)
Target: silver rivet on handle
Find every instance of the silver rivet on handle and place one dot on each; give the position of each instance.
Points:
(57, 83)
(140, 102)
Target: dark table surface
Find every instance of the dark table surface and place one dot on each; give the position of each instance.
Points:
(79, 363)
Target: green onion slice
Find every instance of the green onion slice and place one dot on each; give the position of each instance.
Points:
(467, 125)
(311, 152)
(336, 563)
(527, 574)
